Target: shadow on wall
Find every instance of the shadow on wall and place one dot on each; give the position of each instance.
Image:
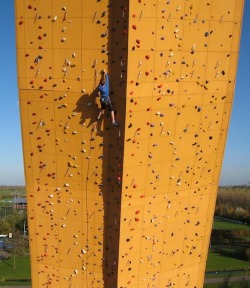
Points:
(111, 142)
(87, 114)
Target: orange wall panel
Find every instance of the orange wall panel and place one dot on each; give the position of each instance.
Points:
(128, 206)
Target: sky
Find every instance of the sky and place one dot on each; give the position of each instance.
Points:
(236, 163)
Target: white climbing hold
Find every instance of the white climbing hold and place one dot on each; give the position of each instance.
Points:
(54, 19)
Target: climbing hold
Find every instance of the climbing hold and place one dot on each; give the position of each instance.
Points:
(38, 58)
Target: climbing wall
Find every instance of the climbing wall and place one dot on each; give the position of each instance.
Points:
(128, 206)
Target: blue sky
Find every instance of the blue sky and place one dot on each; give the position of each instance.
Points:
(236, 164)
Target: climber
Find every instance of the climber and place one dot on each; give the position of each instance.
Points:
(103, 92)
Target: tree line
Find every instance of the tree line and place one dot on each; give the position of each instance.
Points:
(16, 226)
(234, 203)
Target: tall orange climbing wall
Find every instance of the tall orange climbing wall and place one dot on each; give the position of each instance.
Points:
(128, 206)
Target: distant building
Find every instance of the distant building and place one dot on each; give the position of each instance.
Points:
(19, 203)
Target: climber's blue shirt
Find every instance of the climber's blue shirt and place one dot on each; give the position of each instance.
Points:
(104, 89)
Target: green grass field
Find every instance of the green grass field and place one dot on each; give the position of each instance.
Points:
(228, 225)
(7, 192)
(21, 272)
(232, 285)
(226, 257)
